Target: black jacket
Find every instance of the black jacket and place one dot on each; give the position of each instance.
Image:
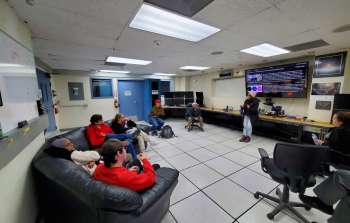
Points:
(339, 140)
(118, 128)
(253, 110)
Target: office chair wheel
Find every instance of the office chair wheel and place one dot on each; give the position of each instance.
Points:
(256, 195)
(270, 216)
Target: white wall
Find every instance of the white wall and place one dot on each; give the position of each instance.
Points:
(70, 117)
(17, 190)
(17, 193)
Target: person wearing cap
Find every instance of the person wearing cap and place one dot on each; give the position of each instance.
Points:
(63, 148)
(98, 132)
(154, 119)
(195, 114)
(113, 171)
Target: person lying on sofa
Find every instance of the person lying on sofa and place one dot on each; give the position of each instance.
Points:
(98, 132)
(121, 125)
(112, 171)
(63, 148)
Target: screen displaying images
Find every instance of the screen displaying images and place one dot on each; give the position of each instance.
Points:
(330, 65)
(325, 88)
(288, 80)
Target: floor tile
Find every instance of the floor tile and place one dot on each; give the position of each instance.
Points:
(153, 156)
(202, 154)
(251, 150)
(217, 138)
(169, 151)
(257, 214)
(163, 163)
(201, 175)
(223, 166)
(199, 208)
(182, 161)
(203, 142)
(233, 198)
(183, 189)
(168, 218)
(256, 167)
(219, 149)
(187, 146)
(241, 158)
(235, 144)
(252, 181)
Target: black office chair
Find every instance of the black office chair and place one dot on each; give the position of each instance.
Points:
(294, 166)
(194, 123)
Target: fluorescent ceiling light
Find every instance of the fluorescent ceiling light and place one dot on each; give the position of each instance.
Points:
(115, 71)
(265, 50)
(153, 19)
(10, 65)
(127, 61)
(194, 68)
(164, 74)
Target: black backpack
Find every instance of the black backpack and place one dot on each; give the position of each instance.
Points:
(166, 132)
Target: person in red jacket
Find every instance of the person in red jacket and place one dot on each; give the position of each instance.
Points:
(98, 132)
(113, 172)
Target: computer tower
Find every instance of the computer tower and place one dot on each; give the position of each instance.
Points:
(179, 98)
(189, 97)
(200, 98)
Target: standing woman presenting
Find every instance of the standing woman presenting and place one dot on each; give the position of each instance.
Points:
(250, 116)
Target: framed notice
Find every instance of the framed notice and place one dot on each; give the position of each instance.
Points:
(76, 91)
(323, 105)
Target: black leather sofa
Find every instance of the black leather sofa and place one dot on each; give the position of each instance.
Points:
(67, 193)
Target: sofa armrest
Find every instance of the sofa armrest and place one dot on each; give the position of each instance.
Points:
(166, 180)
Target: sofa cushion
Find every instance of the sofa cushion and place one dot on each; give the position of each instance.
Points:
(75, 180)
(166, 177)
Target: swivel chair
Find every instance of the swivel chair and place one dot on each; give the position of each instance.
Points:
(194, 123)
(294, 166)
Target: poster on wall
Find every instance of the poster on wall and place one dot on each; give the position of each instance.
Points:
(323, 105)
(330, 65)
(76, 91)
(325, 88)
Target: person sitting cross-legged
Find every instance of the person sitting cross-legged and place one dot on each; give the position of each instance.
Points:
(195, 114)
(155, 117)
(113, 171)
(98, 132)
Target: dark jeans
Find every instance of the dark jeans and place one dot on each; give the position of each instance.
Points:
(157, 123)
(131, 148)
(336, 188)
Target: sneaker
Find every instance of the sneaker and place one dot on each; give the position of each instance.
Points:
(247, 139)
(156, 166)
(242, 139)
(315, 202)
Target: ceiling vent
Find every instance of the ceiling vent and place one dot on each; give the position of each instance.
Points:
(184, 7)
(307, 45)
(341, 29)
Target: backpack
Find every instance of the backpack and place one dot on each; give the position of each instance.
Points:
(166, 132)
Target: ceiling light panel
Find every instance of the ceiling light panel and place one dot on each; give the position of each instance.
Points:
(164, 74)
(194, 68)
(122, 60)
(265, 50)
(115, 71)
(153, 19)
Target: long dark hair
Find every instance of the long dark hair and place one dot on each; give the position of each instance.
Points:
(95, 118)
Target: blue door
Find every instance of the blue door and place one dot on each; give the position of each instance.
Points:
(46, 101)
(131, 98)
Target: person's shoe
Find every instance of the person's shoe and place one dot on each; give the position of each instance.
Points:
(156, 166)
(247, 139)
(242, 139)
(315, 202)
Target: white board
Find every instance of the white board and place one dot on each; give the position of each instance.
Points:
(18, 83)
(229, 88)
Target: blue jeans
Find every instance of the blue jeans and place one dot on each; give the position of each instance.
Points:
(131, 148)
(247, 126)
(157, 123)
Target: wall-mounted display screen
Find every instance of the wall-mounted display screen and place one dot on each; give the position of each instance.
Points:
(289, 80)
(330, 65)
(326, 88)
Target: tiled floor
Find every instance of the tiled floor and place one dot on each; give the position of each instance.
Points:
(218, 176)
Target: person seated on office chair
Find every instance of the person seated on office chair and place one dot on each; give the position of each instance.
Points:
(329, 192)
(113, 171)
(121, 125)
(339, 138)
(64, 148)
(250, 113)
(155, 117)
(98, 132)
(194, 115)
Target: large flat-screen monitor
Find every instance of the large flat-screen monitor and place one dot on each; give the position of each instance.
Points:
(285, 81)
